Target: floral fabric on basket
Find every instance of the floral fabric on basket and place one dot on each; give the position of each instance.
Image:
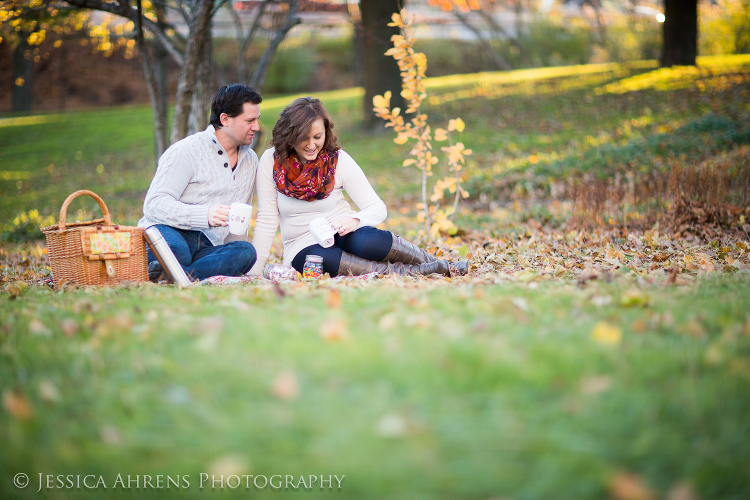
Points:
(110, 243)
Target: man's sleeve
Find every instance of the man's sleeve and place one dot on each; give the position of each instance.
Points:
(172, 177)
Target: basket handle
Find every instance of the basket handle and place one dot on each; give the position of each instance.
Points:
(64, 209)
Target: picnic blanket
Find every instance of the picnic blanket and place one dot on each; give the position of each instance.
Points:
(259, 280)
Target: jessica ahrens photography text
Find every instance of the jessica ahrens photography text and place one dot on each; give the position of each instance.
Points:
(184, 481)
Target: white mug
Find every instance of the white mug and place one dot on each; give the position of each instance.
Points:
(323, 232)
(239, 218)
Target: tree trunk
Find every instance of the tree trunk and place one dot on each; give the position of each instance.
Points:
(62, 83)
(200, 32)
(259, 75)
(680, 33)
(150, 63)
(23, 71)
(199, 113)
(380, 73)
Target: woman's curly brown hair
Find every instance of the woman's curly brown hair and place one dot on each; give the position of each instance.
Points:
(294, 126)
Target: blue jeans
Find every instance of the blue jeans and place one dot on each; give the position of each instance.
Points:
(365, 242)
(201, 259)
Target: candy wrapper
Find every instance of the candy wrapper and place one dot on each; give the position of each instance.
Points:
(279, 273)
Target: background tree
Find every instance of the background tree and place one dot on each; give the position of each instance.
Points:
(380, 73)
(158, 39)
(25, 24)
(680, 33)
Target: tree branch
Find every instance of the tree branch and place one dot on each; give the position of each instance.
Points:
(499, 61)
(129, 13)
(259, 76)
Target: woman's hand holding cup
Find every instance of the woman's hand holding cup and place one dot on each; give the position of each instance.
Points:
(345, 224)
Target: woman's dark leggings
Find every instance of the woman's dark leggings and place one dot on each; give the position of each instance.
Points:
(366, 242)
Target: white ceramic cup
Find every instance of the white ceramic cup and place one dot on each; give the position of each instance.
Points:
(239, 218)
(323, 232)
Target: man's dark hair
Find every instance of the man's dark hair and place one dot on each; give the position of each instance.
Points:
(231, 99)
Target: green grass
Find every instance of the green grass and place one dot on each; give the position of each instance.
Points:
(435, 392)
(490, 386)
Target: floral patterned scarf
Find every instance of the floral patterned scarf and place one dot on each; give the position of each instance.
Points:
(306, 181)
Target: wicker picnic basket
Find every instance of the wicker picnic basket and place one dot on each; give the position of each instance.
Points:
(95, 252)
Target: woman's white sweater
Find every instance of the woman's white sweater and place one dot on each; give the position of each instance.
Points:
(296, 215)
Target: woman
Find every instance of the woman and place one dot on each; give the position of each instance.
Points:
(301, 178)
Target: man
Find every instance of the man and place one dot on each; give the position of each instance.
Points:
(197, 180)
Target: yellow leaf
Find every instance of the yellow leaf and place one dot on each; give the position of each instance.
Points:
(407, 93)
(441, 134)
(409, 162)
(382, 101)
(460, 125)
(607, 334)
(395, 112)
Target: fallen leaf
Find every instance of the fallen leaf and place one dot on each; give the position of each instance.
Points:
(48, 391)
(207, 342)
(418, 320)
(333, 330)
(391, 425)
(601, 300)
(633, 298)
(520, 303)
(286, 386)
(595, 385)
(704, 261)
(110, 435)
(15, 290)
(607, 334)
(387, 322)
(280, 293)
(333, 300)
(660, 257)
(695, 329)
(682, 491)
(638, 326)
(627, 486)
(36, 327)
(69, 327)
(210, 324)
(714, 355)
(231, 464)
(17, 405)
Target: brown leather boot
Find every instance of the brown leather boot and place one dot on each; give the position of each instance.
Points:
(405, 251)
(351, 265)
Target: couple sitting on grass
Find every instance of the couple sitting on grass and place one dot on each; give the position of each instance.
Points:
(302, 177)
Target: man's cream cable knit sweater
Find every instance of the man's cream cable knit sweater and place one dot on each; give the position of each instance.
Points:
(194, 174)
(296, 215)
